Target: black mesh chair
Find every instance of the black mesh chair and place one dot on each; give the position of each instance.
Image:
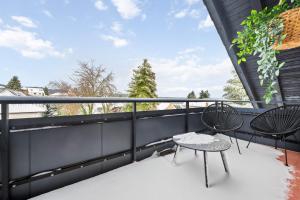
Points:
(222, 118)
(277, 123)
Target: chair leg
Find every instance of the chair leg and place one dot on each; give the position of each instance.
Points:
(205, 167)
(276, 143)
(230, 139)
(285, 152)
(249, 141)
(237, 143)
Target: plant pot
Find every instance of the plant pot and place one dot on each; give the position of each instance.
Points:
(291, 21)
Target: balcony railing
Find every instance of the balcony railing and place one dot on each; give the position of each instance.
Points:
(42, 154)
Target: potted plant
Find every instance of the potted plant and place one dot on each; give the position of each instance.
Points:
(265, 33)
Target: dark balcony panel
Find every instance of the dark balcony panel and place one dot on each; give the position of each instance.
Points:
(19, 154)
(154, 129)
(57, 147)
(51, 183)
(117, 137)
(195, 123)
(116, 162)
(21, 192)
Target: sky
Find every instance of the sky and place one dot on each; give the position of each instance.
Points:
(43, 41)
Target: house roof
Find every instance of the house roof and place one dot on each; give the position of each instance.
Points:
(21, 108)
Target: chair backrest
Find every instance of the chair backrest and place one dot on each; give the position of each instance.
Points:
(281, 120)
(220, 117)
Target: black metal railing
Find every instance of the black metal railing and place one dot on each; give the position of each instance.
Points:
(6, 127)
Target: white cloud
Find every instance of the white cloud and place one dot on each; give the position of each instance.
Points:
(181, 14)
(192, 2)
(116, 41)
(117, 27)
(1, 21)
(188, 71)
(28, 44)
(24, 21)
(193, 13)
(128, 9)
(48, 13)
(67, 2)
(100, 5)
(207, 23)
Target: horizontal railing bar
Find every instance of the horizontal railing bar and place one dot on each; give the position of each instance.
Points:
(57, 100)
(29, 123)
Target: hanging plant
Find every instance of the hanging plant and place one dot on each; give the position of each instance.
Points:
(262, 35)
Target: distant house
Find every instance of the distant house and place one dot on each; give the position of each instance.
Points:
(166, 106)
(34, 91)
(22, 110)
(8, 92)
(58, 94)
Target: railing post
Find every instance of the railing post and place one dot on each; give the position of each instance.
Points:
(187, 107)
(134, 132)
(5, 150)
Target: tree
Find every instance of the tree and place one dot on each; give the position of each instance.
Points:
(50, 109)
(63, 109)
(92, 81)
(234, 89)
(191, 95)
(204, 94)
(14, 84)
(143, 85)
(46, 91)
(88, 81)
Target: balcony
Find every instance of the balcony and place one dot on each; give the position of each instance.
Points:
(130, 156)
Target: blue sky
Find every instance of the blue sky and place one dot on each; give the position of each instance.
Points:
(43, 40)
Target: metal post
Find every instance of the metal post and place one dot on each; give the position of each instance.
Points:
(134, 132)
(187, 107)
(5, 150)
(224, 161)
(205, 167)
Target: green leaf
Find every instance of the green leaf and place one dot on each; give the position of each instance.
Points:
(253, 12)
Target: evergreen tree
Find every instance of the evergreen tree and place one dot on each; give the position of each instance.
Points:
(204, 94)
(51, 110)
(46, 91)
(191, 95)
(234, 89)
(143, 85)
(14, 84)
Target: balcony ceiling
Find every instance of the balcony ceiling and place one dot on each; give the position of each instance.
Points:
(227, 16)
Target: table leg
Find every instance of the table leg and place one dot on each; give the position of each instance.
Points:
(195, 152)
(176, 151)
(224, 161)
(205, 167)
